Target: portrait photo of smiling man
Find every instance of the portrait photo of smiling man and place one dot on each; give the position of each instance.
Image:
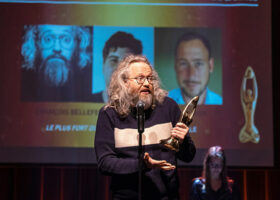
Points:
(194, 64)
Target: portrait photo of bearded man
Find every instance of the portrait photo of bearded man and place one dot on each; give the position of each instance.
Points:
(56, 63)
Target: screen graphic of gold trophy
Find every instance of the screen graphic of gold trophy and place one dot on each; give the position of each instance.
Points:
(186, 118)
(249, 132)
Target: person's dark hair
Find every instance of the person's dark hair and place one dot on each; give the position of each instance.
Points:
(122, 40)
(215, 152)
(193, 36)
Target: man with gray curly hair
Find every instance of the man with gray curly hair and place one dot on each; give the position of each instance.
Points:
(56, 58)
(116, 139)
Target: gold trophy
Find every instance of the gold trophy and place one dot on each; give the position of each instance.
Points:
(249, 132)
(186, 118)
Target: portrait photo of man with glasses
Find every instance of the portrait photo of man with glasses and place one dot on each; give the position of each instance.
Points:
(56, 63)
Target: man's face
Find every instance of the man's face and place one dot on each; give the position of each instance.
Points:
(142, 91)
(193, 67)
(112, 60)
(56, 46)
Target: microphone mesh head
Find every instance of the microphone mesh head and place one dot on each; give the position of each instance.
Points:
(140, 104)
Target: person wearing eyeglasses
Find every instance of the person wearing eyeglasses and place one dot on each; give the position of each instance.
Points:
(116, 137)
(56, 62)
(214, 184)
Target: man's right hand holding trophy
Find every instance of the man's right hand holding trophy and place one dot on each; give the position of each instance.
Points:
(173, 142)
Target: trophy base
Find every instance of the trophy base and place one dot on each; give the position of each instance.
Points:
(170, 143)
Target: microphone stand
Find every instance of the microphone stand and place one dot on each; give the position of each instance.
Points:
(140, 122)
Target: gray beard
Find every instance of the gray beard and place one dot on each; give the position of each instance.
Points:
(56, 73)
(147, 100)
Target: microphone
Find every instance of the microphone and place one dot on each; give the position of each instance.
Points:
(140, 115)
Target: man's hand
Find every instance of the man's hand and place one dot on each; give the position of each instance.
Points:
(180, 131)
(157, 164)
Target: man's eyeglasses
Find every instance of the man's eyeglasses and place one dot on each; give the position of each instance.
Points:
(48, 40)
(141, 79)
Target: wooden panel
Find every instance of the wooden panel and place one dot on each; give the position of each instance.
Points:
(256, 185)
(93, 185)
(273, 184)
(51, 187)
(70, 184)
(185, 179)
(237, 176)
(27, 183)
(6, 183)
(86, 183)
